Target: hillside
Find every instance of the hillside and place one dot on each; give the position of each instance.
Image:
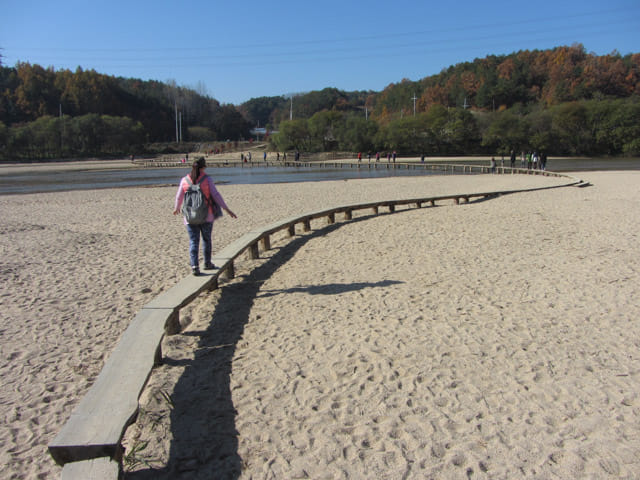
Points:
(563, 100)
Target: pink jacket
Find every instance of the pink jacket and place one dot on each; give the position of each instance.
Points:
(209, 190)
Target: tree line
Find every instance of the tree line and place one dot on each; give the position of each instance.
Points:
(48, 113)
(588, 127)
(563, 100)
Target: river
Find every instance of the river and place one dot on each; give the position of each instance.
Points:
(38, 180)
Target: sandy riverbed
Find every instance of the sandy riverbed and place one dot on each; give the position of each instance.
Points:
(492, 340)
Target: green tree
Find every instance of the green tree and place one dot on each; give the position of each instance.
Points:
(358, 134)
(571, 129)
(461, 131)
(542, 136)
(293, 135)
(506, 131)
(324, 129)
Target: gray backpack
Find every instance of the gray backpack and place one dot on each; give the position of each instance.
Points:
(195, 206)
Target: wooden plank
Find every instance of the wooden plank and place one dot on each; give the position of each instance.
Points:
(187, 289)
(96, 426)
(97, 469)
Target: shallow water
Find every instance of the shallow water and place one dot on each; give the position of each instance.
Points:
(52, 181)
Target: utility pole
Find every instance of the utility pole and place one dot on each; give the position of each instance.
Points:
(181, 126)
(176, 107)
(61, 131)
(291, 109)
(414, 104)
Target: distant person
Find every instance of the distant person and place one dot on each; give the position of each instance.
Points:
(543, 161)
(297, 156)
(422, 158)
(492, 165)
(195, 231)
(359, 157)
(264, 156)
(394, 156)
(513, 158)
(278, 156)
(377, 157)
(523, 160)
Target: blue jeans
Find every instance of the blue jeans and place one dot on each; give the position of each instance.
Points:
(195, 231)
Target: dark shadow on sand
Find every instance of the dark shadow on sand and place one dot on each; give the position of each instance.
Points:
(330, 288)
(205, 439)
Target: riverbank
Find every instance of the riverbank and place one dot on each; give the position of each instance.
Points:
(498, 336)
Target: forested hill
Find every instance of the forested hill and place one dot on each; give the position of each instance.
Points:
(497, 82)
(562, 99)
(31, 92)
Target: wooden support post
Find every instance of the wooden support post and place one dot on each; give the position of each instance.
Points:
(457, 200)
(292, 230)
(230, 271)
(375, 210)
(307, 225)
(392, 208)
(331, 218)
(348, 215)
(254, 251)
(266, 242)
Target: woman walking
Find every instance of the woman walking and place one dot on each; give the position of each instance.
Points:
(197, 230)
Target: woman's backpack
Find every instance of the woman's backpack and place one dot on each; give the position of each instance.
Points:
(195, 206)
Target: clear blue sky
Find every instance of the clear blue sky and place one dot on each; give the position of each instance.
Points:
(245, 49)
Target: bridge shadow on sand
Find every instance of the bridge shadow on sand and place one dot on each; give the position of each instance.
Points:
(205, 438)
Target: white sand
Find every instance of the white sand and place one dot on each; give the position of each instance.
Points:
(492, 340)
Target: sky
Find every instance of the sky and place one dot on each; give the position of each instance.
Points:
(235, 51)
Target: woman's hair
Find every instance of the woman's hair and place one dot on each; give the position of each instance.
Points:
(198, 165)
